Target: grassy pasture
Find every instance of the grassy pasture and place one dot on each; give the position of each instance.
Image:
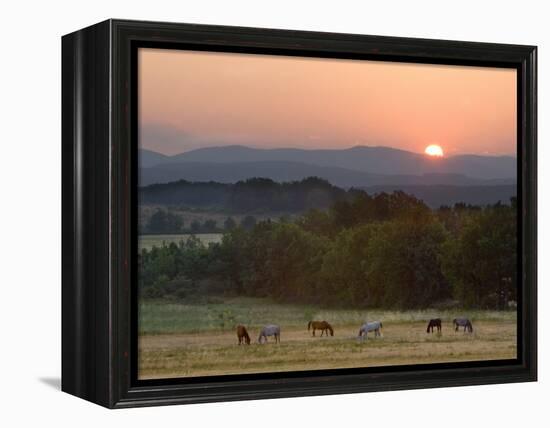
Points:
(198, 339)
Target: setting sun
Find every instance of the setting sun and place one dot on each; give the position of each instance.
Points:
(434, 150)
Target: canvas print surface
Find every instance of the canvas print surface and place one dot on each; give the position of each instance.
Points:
(306, 213)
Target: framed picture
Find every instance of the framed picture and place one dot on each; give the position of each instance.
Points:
(252, 213)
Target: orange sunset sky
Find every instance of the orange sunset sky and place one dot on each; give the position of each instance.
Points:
(189, 100)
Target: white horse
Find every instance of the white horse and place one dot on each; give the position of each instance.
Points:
(270, 330)
(463, 322)
(375, 326)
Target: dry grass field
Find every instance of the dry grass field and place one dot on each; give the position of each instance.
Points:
(204, 348)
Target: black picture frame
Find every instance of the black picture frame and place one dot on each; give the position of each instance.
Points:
(99, 167)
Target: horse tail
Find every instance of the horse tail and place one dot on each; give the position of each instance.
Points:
(428, 329)
(380, 325)
(308, 326)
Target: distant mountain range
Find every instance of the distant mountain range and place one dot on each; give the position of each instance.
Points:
(355, 167)
(292, 171)
(149, 158)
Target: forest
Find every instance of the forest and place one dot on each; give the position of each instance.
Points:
(253, 194)
(388, 250)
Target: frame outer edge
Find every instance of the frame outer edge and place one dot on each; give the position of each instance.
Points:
(107, 368)
(531, 169)
(85, 221)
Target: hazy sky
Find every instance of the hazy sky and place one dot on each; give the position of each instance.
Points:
(191, 99)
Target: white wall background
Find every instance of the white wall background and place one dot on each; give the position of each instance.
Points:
(30, 211)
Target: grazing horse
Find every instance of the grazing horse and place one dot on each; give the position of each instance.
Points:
(324, 326)
(463, 322)
(242, 335)
(436, 322)
(370, 326)
(270, 330)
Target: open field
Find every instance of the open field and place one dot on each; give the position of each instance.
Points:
(150, 241)
(196, 340)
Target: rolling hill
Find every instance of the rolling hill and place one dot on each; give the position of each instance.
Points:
(373, 160)
(438, 181)
(292, 171)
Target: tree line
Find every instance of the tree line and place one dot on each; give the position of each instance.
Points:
(166, 222)
(386, 251)
(252, 195)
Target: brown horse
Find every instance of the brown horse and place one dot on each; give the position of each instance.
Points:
(242, 334)
(436, 322)
(324, 326)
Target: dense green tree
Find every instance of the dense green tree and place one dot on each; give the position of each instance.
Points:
(164, 222)
(229, 223)
(195, 226)
(343, 275)
(210, 226)
(404, 264)
(248, 222)
(233, 254)
(317, 222)
(481, 261)
(386, 250)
